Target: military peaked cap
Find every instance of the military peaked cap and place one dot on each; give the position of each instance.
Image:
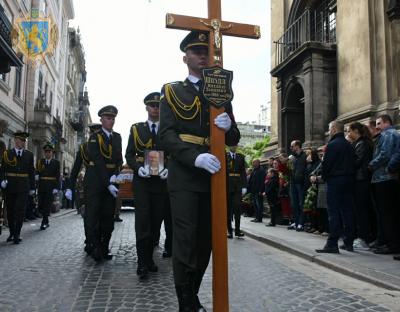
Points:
(153, 97)
(108, 110)
(21, 135)
(93, 127)
(193, 39)
(48, 146)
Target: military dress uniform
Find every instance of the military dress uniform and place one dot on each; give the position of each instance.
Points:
(82, 159)
(105, 160)
(185, 131)
(49, 180)
(236, 176)
(151, 195)
(18, 170)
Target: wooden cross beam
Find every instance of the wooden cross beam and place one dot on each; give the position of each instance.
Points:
(216, 28)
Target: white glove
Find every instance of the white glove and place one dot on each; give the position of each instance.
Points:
(36, 177)
(208, 162)
(55, 191)
(223, 121)
(164, 174)
(68, 194)
(32, 192)
(244, 191)
(113, 190)
(113, 179)
(144, 172)
(4, 184)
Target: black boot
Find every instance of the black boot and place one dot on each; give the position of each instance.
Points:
(197, 305)
(43, 225)
(186, 298)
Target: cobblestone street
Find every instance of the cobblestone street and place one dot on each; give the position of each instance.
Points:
(50, 272)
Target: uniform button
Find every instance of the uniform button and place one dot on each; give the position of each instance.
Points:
(207, 123)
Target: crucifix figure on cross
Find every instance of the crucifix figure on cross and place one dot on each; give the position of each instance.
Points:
(195, 133)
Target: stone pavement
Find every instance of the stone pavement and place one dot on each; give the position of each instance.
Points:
(380, 270)
(49, 271)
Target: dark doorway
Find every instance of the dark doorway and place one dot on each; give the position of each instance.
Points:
(293, 116)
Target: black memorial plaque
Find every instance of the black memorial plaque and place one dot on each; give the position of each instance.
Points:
(217, 86)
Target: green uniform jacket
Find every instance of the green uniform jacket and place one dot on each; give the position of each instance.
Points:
(236, 172)
(102, 165)
(49, 175)
(82, 157)
(177, 117)
(141, 139)
(20, 173)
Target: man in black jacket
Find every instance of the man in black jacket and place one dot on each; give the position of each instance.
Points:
(256, 188)
(236, 187)
(17, 176)
(151, 196)
(338, 168)
(48, 171)
(297, 181)
(184, 132)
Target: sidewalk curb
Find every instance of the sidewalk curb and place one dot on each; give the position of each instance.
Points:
(353, 272)
(63, 213)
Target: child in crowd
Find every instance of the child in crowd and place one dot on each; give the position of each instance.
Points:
(271, 192)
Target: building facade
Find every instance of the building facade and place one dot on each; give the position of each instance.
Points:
(250, 133)
(46, 99)
(331, 59)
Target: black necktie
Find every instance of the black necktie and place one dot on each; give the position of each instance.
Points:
(47, 161)
(19, 154)
(153, 130)
(199, 83)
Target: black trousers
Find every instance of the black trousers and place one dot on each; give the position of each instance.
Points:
(386, 194)
(362, 209)
(168, 227)
(191, 247)
(340, 209)
(149, 212)
(45, 201)
(99, 213)
(16, 206)
(274, 208)
(234, 210)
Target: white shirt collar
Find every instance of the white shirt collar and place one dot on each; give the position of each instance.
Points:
(18, 150)
(193, 79)
(157, 123)
(107, 132)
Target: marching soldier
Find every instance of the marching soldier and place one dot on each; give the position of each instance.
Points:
(17, 177)
(184, 131)
(151, 196)
(82, 158)
(236, 174)
(48, 171)
(105, 159)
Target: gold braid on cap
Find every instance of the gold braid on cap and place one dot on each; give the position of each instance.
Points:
(103, 147)
(84, 156)
(137, 141)
(175, 103)
(40, 166)
(9, 162)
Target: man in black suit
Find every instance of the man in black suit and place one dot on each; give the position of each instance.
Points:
(237, 182)
(184, 133)
(105, 160)
(338, 169)
(82, 159)
(48, 175)
(150, 186)
(256, 188)
(17, 176)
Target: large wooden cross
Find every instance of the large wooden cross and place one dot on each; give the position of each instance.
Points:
(216, 28)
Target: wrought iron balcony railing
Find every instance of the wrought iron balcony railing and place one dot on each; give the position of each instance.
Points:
(317, 25)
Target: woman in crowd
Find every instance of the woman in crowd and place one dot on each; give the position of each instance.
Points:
(363, 146)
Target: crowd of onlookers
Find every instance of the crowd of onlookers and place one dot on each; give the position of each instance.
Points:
(348, 188)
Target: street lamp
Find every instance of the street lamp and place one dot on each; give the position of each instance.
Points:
(393, 11)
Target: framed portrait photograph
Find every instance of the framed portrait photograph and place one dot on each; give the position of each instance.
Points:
(154, 160)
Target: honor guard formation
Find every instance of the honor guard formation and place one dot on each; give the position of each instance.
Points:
(170, 157)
